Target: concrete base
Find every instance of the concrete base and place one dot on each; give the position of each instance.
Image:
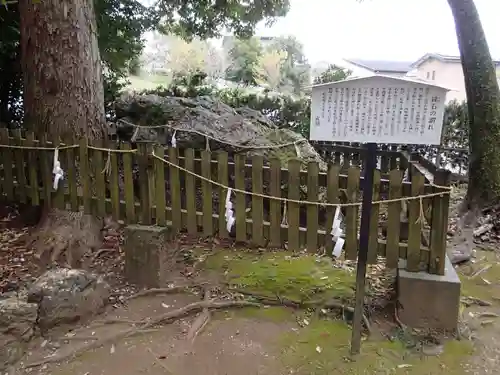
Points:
(147, 259)
(429, 301)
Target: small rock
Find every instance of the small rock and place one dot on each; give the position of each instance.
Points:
(432, 350)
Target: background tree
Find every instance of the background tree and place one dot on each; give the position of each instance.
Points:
(186, 57)
(196, 55)
(206, 19)
(154, 58)
(296, 78)
(295, 71)
(333, 73)
(10, 65)
(245, 56)
(293, 49)
(214, 63)
(271, 63)
(483, 102)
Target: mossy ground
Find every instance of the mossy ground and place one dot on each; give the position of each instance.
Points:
(322, 346)
(298, 278)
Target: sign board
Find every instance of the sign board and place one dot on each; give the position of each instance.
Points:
(378, 109)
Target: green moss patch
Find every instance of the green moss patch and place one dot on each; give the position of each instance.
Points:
(271, 314)
(278, 275)
(323, 348)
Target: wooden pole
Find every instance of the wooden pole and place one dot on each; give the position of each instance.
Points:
(364, 235)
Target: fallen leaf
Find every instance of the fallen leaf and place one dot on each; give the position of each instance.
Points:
(404, 366)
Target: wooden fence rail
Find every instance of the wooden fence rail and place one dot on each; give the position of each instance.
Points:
(275, 205)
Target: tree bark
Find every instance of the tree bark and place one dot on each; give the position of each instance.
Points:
(63, 85)
(63, 97)
(483, 103)
(483, 100)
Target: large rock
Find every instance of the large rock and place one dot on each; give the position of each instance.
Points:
(65, 295)
(234, 130)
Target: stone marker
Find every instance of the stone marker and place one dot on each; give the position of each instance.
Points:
(147, 255)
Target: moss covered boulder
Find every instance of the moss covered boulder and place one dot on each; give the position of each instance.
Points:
(194, 120)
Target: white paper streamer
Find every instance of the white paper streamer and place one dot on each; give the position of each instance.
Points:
(230, 220)
(336, 232)
(337, 249)
(173, 142)
(57, 170)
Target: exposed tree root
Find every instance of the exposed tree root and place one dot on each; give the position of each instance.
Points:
(93, 338)
(170, 290)
(65, 234)
(279, 301)
(100, 323)
(462, 244)
(201, 320)
(165, 318)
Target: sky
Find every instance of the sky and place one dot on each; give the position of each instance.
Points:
(379, 29)
(402, 30)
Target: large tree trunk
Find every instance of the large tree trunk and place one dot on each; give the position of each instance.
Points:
(63, 97)
(483, 100)
(63, 87)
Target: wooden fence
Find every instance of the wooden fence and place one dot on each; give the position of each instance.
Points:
(431, 158)
(288, 206)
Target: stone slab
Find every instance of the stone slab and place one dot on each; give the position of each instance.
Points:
(146, 250)
(429, 301)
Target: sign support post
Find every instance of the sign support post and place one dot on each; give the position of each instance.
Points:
(364, 237)
(374, 110)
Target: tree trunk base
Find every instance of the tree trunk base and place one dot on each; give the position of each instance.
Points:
(64, 237)
(461, 247)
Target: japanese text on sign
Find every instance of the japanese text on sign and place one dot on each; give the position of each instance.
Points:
(377, 109)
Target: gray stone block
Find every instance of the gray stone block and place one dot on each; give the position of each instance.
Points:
(148, 251)
(429, 301)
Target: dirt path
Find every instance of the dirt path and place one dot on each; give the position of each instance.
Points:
(228, 345)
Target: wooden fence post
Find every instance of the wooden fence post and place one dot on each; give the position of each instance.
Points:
(144, 192)
(439, 224)
(312, 210)
(275, 205)
(415, 223)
